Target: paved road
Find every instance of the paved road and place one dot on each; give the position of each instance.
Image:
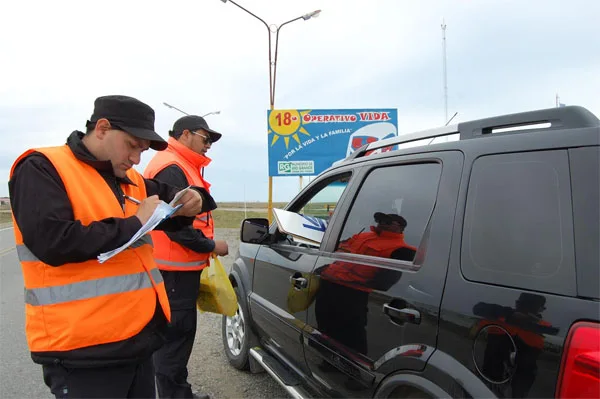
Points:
(19, 376)
(209, 370)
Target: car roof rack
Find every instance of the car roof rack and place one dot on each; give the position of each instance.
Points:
(570, 117)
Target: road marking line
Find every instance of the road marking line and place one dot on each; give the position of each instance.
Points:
(6, 251)
(8, 228)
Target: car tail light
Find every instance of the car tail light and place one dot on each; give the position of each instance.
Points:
(580, 368)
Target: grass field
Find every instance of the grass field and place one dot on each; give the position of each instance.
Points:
(223, 219)
(5, 218)
(250, 205)
(233, 219)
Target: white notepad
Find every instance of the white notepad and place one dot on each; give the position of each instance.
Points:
(162, 212)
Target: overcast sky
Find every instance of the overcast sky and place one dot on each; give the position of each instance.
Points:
(203, 55)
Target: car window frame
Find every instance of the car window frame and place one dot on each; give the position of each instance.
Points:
(359, 180)
(309, 192)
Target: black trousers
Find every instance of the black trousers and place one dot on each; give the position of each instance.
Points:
(127, 381)
(170, 361)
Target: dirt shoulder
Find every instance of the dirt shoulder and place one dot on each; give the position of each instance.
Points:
(209, 370)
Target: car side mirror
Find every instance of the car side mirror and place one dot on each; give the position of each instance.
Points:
(254, 230)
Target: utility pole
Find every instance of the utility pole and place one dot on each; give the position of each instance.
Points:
(274, 30)
(445, 72)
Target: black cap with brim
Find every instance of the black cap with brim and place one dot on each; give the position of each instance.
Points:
(385, 218)
(130, 115)
(157, 143)
(191, 123)
(214, 136)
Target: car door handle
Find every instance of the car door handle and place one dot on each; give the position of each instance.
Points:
(401, 316)
(299, 282)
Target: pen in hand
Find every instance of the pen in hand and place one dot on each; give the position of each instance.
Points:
(135, 201)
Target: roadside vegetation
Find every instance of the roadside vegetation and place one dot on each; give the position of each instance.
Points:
(223, 218)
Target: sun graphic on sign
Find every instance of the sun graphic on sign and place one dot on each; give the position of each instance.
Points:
(286, 123)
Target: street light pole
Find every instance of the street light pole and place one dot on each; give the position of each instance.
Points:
(271, 100)
(273, 71)
(270, 30)
(175, 108)
(185, 113)
(211, 113)
(305, 17)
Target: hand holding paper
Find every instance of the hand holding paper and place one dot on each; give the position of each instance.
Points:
(146, 208)
(160, 213)
(191, 202)
(178, 196)
(152, 211)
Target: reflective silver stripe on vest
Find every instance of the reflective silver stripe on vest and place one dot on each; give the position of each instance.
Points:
(25, 255)
(91, 288)
(156, 276)
(180, 264)
(202, 218)
(145, 239)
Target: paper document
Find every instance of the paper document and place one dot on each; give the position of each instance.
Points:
(162, 212)
(304, 228)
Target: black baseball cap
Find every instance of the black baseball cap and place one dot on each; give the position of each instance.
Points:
(130, 115)
(191, 123)
(387, 218)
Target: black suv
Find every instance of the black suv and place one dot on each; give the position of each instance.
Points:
(455, 262)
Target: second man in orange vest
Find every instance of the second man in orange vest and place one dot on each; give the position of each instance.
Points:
(182, 255)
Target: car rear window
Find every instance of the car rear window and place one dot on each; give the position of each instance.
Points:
(518, 226)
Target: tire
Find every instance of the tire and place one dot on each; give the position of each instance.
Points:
(236, 336)
(408, 392)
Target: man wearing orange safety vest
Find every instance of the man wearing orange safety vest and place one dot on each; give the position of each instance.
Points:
(94, 326)
(181, 256)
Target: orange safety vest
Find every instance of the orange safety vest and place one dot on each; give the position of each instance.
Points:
(168, 254)
(83, 304)
(381, 244)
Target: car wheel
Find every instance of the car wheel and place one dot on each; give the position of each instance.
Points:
(236, 336)
(408, 392)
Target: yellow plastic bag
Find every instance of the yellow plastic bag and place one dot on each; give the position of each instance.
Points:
(300, 299)
(216, 292)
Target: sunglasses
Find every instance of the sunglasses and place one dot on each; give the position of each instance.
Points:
(207, 140)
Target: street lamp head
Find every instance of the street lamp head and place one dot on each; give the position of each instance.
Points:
(212, 113)
(308, 16)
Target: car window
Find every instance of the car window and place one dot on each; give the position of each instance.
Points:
(391, 211)
(315, 209)
(518, 227)
(323, 203)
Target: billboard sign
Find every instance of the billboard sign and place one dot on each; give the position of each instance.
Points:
(305, 142)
